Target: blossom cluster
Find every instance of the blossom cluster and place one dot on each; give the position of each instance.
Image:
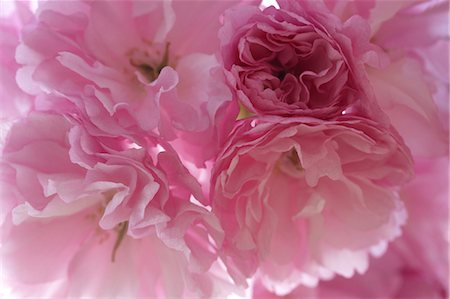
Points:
(199, 149)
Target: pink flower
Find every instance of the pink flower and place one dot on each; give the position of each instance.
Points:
(299, 60)
(415, 265)
(56, 255)
(126, 174)
(147, 78)
(99, 188)
(305, 199)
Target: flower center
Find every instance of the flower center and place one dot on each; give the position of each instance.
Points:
(292, 157)
(290, 163)
(145, 63)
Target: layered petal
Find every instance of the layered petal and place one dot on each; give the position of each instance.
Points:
(305, 199)
(416, 264)
(118, 202)
(145, 80)
(299, 60)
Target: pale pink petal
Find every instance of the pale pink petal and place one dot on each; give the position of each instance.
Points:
(410, 106)
(306, 199)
